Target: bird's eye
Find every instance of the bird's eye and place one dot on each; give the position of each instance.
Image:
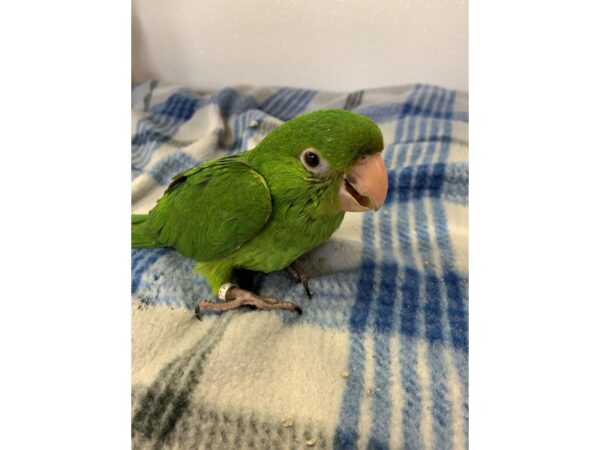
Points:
(313, 161)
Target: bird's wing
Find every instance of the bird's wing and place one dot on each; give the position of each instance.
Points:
(212, 209)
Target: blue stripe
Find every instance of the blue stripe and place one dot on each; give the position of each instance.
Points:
(244, 128)
(167, 117)
(441, 410)
(461, 364)
(273, 103)
(236, 135)
(382, 113)
(169, 166)
(299, 105)
(432, 298)
(161, 125)
(411, 411)
(432, 307)
(150, 134)
(284, 104)
(455, 289)
(171, 281)
(453, 183)
(328, 309)
(346, 434)
(384, 321)
(305, 102)
(231, 102)
(288, 104)
(245, 123)
(455, 292)
(411, 291)
(412, 123)
(266, 105)
(242, 132)
(383, 324)
(141, 261)
(433, 134)
(180, 106)
(428, 109)
(238, 132)
(406, 111)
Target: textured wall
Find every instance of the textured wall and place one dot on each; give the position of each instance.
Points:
(324, 44)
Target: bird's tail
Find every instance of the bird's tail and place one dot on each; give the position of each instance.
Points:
(140, 235)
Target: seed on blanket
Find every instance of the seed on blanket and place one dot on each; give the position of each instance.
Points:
(345, 374)
(310, 442)
(287, 422)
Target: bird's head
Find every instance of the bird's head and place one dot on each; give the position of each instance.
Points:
(335, 154)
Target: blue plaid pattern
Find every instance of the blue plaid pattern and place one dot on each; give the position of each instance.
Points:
(403, 305)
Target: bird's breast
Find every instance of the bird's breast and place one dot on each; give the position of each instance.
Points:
(284, 240)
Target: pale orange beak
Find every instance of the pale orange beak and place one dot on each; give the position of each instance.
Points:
(365, 186)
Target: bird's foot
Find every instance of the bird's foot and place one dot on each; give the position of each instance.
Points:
(232, 297)
(296, 270)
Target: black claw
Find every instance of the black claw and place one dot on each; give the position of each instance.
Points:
(198, 312)
(307, 288)
(298, 310)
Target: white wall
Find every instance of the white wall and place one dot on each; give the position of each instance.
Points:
(338, 45)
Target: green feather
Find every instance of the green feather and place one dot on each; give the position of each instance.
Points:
(212, 209)
(140, 235)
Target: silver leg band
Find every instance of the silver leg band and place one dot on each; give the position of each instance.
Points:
(224, 289)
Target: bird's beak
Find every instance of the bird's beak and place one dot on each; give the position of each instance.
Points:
(365, 186)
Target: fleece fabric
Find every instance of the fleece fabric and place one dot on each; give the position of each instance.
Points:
(379, 359)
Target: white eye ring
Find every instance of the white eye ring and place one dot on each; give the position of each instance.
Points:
(313, 161)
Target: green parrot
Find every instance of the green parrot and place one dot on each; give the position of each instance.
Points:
(262, 209)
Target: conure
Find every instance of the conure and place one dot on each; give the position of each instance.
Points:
(262, 209)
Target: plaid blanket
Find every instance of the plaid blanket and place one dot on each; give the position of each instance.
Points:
(379, 357)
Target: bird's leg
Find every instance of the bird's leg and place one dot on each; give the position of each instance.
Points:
(233, 297)
(296, 270)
